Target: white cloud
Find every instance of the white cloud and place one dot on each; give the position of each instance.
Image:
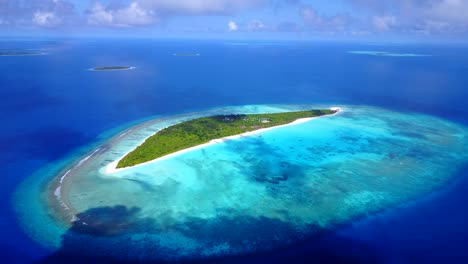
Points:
(427, 16)
(131, 15)
(43, 13)
(384, 23)
(446, 15)
(321, 22)
(147, 12)
(232, 26)
(310, 16)
(45, 19)
(256, 25)
(54, 13)
(199, 7)
(134, 15)
(98, 15)
(443, 17)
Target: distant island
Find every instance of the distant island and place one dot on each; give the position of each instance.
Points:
(21, 53)
(386, 54)
(113, 68)
(203, 130)
(186, 54)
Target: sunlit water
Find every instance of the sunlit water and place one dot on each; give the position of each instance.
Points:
(244, 195)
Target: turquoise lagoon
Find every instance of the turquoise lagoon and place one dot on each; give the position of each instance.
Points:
(244, 195)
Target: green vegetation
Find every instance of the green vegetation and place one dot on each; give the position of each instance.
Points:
(112, 68)
(202, 130)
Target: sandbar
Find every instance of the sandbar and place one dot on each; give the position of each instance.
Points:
(112, 68)
(386, 53)
(186, 54)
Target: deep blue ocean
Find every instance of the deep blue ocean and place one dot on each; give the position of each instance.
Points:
(51, 105)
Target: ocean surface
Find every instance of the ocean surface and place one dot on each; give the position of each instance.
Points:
(54, 110)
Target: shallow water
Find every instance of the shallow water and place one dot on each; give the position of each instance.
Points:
(243, 195)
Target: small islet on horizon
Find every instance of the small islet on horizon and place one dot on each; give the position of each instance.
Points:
(386, 53)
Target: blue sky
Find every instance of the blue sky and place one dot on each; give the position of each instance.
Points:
(427, 20)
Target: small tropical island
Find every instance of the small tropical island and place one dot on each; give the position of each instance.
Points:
(342, 167)
(113, 68)
(203, 130)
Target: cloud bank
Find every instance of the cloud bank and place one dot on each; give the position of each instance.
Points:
(148, 12)
(132, 15)
(371, 17)
(44, 13)
(413, 16)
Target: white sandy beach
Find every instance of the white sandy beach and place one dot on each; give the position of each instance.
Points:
(112, 167)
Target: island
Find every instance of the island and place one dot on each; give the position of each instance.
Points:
(20, 53)
(112, 68)
(186, 54)
(200, 131)
(386, 53)
(361, 162)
